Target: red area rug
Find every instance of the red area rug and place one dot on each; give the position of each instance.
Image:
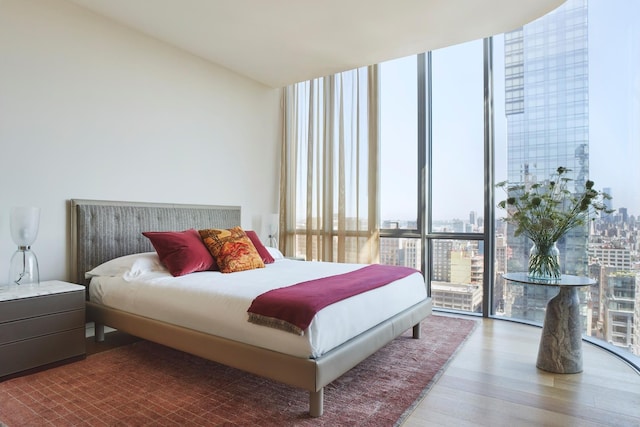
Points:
(145, 384)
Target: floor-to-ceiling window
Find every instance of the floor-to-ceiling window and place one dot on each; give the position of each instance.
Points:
(434, 135)
(400, 242)
(564, 91)
(455, 184)
(571, 88)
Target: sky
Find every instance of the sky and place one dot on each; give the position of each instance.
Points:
(614, 104)
(614, 119)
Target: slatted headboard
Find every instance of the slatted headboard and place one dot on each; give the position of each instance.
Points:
(102, 230)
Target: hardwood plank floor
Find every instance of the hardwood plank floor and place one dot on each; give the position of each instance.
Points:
(493, 380)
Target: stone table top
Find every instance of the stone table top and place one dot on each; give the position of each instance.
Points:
(564, 280)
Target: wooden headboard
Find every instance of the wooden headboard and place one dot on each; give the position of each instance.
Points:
(102, 230)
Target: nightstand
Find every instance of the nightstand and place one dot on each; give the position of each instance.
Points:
(40, 325)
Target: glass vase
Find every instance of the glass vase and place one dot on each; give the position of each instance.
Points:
(544, 262)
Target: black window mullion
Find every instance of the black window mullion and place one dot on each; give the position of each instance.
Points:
(424, 128)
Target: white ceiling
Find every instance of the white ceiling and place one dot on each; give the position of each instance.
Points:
(280, 42)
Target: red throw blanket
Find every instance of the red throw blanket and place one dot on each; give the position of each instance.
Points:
(293, 307)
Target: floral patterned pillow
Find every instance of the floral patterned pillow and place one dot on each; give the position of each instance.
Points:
(232, 249)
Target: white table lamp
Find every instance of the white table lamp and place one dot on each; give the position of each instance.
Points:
(24, 222)
(271, 222)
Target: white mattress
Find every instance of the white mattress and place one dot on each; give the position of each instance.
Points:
(217, 303)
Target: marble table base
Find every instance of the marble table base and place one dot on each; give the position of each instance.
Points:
(560, 348)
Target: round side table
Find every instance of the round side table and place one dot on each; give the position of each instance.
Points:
(560, 349)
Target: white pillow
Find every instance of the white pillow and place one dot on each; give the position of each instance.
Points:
(128, 266)
(274, 252)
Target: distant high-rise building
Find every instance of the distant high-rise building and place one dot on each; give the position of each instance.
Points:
(547, 109)
(624, 214)
(404, 252)
(619, 305)
(609, 256)
(608, 203)
(608, 217)
(441, 256)
(458, 226)
(473, 218)
(456, 296)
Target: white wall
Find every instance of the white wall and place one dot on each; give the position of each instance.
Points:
(90, 109)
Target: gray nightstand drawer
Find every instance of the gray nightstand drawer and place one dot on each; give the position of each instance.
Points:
(40, 305)
(43, 325)
(40, 325)
(21, 355)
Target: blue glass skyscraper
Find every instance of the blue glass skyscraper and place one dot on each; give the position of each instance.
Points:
(547, 108)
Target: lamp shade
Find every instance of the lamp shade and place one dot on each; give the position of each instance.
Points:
(24, 225)
(23, 268)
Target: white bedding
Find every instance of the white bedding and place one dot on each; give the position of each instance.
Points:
(217, 303)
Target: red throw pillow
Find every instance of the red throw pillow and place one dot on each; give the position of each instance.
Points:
(232, 249)
(262, 251)
(182, 252)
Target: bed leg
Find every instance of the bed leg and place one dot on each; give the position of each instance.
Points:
(416, 331)
(316, 399)
(98, 334)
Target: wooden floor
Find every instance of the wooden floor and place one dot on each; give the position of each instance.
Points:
(493, 381)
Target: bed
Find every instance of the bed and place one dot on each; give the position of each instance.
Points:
(106, 230)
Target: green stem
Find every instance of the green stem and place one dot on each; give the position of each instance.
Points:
(544, 263)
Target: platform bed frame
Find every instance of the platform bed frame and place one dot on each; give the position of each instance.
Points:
(103, 230)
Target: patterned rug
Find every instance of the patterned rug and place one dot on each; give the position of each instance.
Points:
(145, 384)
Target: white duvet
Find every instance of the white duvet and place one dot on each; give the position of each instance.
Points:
(217, 303)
